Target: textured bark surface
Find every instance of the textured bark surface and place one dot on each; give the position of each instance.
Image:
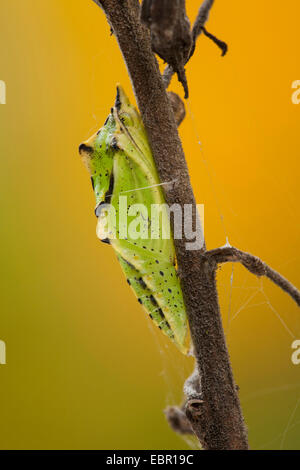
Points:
(218, 422)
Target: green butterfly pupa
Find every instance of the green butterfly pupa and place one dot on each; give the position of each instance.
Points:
(120, 163)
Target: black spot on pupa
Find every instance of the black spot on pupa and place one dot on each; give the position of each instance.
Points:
(93, 184)
(170, 290)
(156, 261)
(105, 240)
(114, 144)
(98, 210)
(152, 299)
(83, 148)
(128, 282)
(140, 301)
(161, 273)
(142, 283)
(110, 189)
(161, 312)
(118, 100)
(131, 265)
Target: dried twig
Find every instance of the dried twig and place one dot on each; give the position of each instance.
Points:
(202, 17)
(171, 35)
(198, 28)
(178, 420)
(221, 44)
(181, 419)
(255, 265)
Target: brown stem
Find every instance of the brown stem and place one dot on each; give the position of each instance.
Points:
(202, 17)
(220, 424)
(255, 265)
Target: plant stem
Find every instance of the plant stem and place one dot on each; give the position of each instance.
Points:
(219, 423)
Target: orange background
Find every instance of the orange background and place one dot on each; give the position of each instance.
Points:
(85, 369)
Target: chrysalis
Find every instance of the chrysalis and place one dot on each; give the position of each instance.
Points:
(127, 188)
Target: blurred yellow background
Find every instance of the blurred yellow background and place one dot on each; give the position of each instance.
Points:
(85, 370)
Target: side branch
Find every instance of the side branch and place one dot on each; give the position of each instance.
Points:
(256, 266)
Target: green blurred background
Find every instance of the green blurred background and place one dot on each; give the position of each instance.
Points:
(85, 369)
